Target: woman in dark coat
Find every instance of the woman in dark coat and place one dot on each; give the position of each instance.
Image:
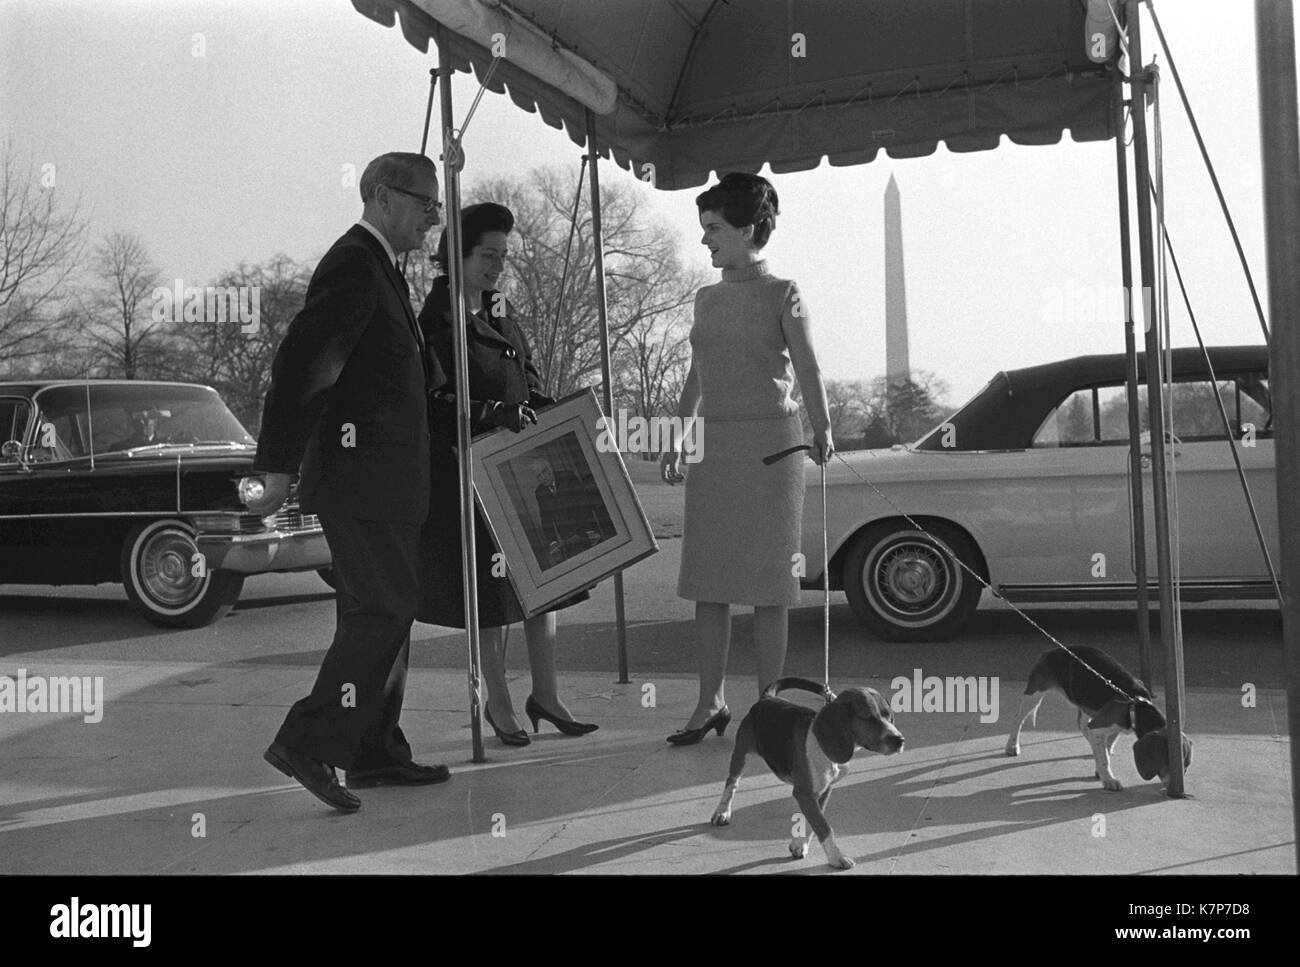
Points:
(504, 390)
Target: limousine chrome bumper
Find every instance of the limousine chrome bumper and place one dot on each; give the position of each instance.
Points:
(295, 542)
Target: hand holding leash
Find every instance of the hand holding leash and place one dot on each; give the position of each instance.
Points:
(823, 447)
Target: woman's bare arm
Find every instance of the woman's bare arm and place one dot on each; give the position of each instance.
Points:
(795, 324)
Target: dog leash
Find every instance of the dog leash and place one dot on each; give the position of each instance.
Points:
(826, 584)
(962, 564)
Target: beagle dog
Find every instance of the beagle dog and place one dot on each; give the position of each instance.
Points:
(808, 749)
(1109, 711)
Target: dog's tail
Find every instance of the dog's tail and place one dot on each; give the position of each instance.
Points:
(803, 684)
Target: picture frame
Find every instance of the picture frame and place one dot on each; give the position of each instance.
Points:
(562, 510)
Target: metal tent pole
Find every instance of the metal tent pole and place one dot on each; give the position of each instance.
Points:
(1138, 515)
(607, 394)
(1280, 153)
(452, 161)
(428, 111)
(1172, 646)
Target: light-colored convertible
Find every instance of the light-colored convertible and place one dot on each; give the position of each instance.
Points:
(1028, 484)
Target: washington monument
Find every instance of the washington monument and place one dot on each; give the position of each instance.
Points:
(896, 364)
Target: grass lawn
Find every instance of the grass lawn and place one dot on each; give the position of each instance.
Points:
(664, 505)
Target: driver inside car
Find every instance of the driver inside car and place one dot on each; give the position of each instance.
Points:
(144, 430)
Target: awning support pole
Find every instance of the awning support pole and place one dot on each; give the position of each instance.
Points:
(428, 110)
(1172, 646)
(1280, 153)
(607, 392)
(1138, 515)
(453, 159)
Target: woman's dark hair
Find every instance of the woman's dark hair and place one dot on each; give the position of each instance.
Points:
(475, 222)
(743, 200)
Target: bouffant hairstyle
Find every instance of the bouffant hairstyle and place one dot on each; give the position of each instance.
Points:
(475, 222)
(743, 200)
(397, 168)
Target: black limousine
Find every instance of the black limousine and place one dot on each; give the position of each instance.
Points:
(142, 483)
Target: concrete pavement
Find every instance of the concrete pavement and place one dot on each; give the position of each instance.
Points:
(172, 781)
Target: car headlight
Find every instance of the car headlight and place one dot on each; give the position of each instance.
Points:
(251, 489)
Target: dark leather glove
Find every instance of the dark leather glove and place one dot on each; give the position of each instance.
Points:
(513, 416)
(536, 401)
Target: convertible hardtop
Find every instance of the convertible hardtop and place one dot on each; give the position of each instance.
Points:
(1005, 414)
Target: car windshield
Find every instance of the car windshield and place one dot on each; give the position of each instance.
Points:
(74, 421)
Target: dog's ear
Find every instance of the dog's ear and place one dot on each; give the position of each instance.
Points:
(1115, 712)
(1151, 754)
(833, 727)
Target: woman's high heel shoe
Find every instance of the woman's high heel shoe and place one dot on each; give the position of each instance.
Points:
(534, 711)
(718, 720)
(509, 738)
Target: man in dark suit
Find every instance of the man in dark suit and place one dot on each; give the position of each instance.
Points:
(348, 410)
(573, 516)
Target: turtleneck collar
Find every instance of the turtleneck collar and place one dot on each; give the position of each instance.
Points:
(755, 271)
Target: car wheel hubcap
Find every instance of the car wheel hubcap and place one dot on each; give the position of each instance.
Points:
(166, 569)
(911, 579)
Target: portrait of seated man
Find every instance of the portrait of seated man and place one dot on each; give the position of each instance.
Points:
(573, 515)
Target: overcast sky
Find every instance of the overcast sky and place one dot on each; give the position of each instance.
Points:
(237, 155)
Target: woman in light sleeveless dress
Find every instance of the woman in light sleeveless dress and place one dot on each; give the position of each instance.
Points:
(749, 341)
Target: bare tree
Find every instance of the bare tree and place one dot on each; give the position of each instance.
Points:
(911, 406)
(645, 279)
(880, 412)
(40, 242)
(220, 353)
(853, 406)
(651, 366)
(420, 271)
(114, 317)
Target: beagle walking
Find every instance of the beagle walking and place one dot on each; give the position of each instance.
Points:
(1109, 711)
(808, 749)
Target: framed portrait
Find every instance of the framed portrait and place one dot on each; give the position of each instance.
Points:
(562, 510)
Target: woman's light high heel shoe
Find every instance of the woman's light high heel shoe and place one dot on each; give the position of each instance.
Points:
(718, 720)
(534, 711)
(508, 738)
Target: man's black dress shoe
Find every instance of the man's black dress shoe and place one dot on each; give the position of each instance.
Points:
(398, 774)
(315, 776)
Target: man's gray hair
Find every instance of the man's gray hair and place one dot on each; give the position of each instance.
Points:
(399, 169)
